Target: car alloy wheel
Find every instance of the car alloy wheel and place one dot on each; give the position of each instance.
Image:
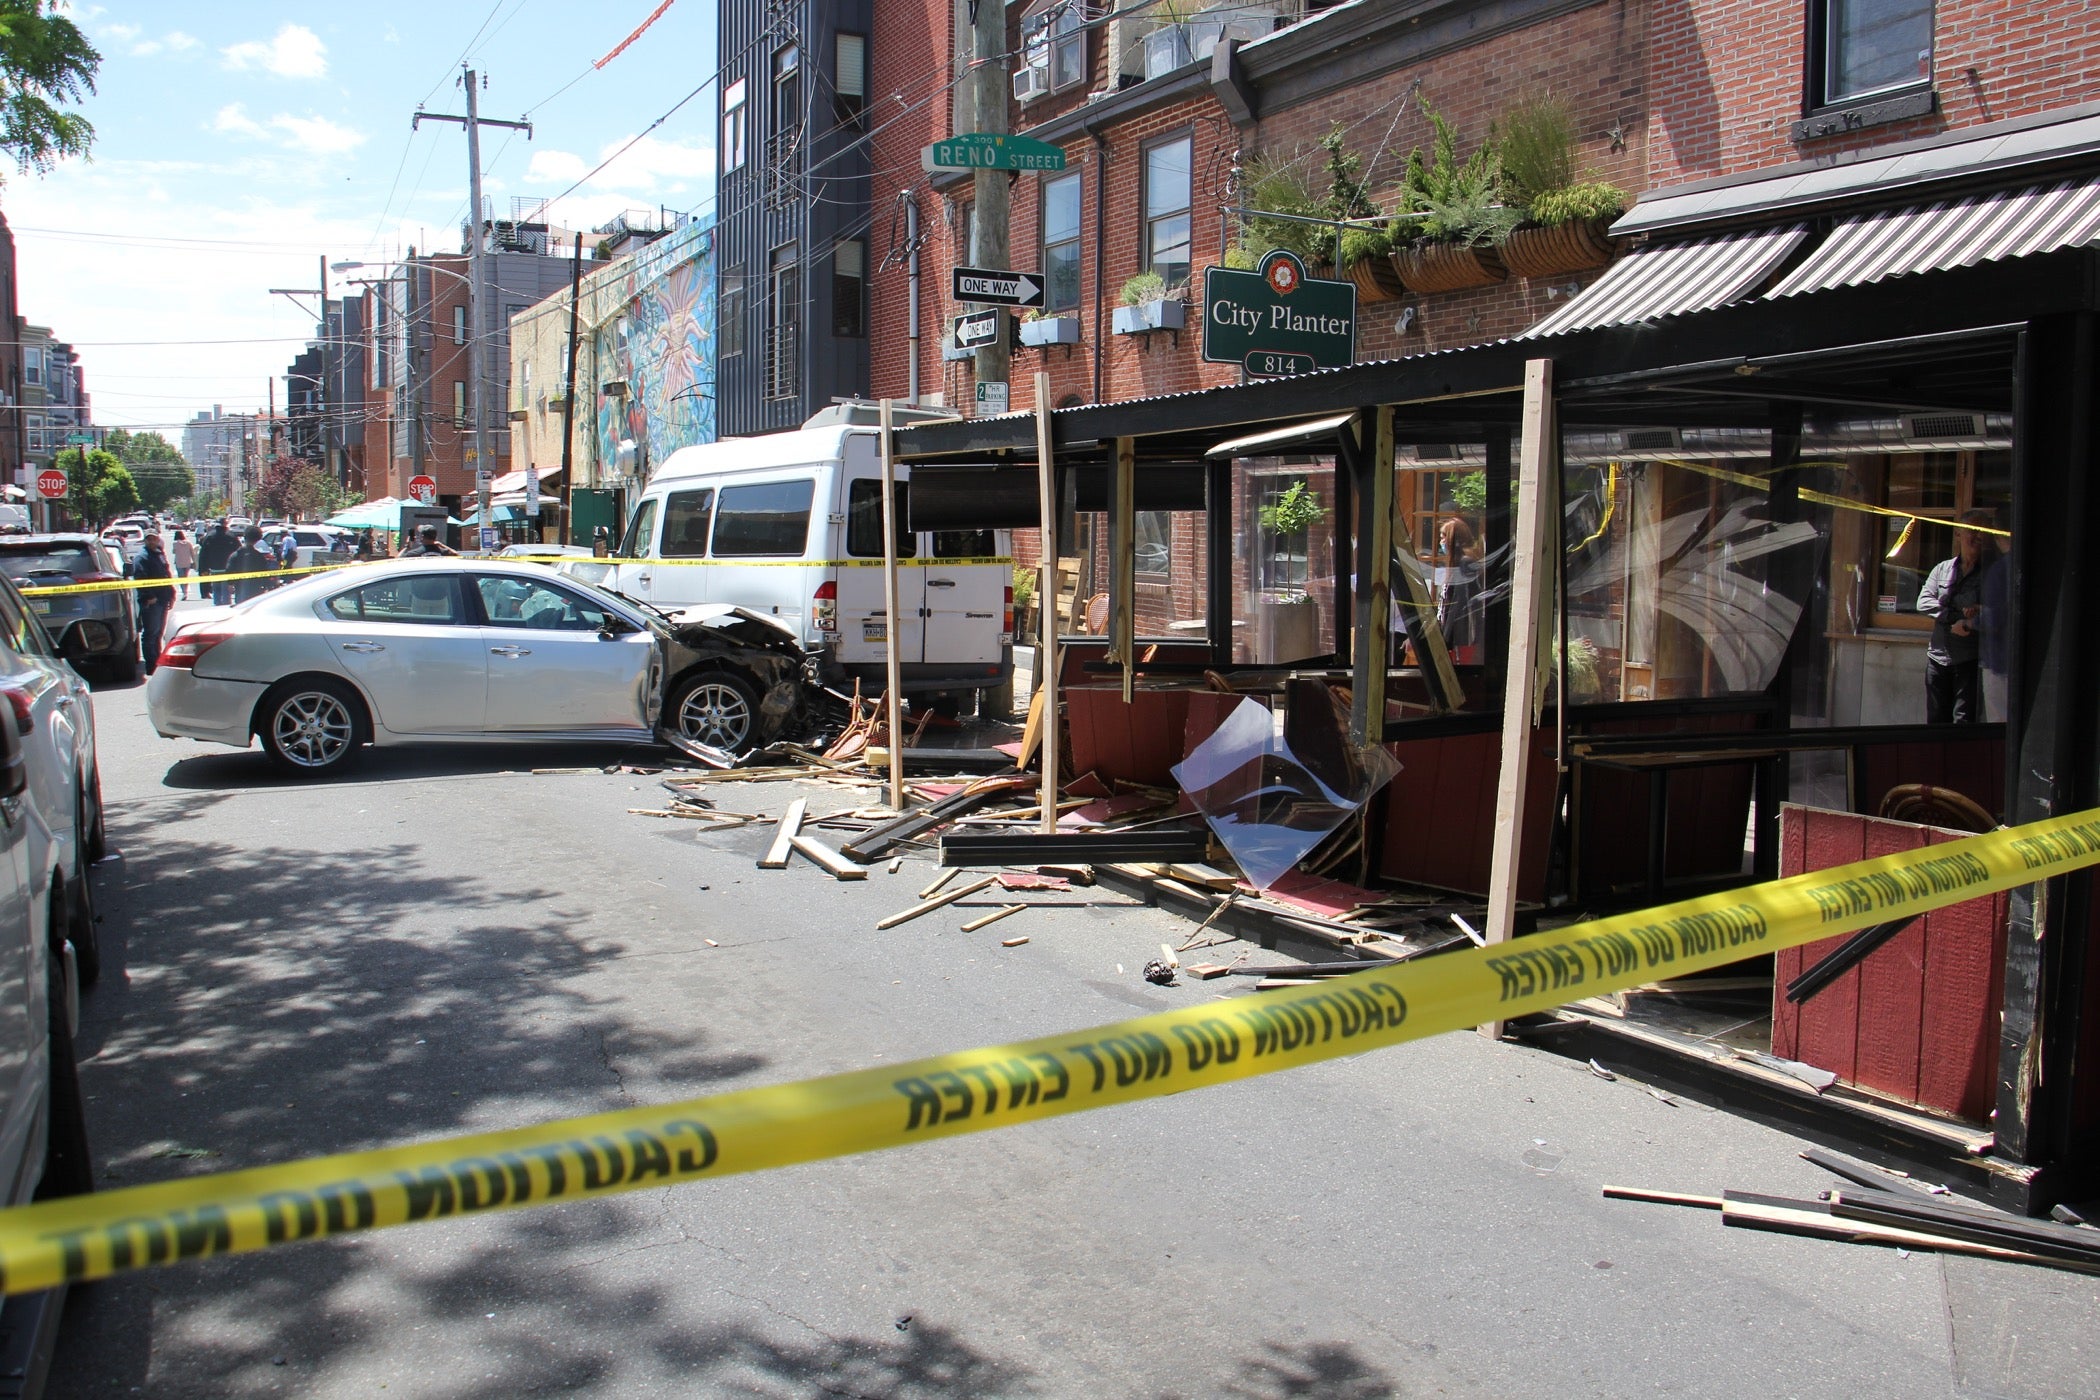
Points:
(718, 710)
(311, 729)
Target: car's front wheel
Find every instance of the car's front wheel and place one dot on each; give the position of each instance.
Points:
(310, 726)
(715, 708)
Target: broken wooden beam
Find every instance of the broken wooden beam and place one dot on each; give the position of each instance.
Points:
(1147, 847)
(992, 918)
(937, 902)
(776, 856)
(884, 839)
(834, 864)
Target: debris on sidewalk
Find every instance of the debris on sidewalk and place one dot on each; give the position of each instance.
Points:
(994, 917)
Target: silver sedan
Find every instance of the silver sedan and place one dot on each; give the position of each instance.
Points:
(457, 650)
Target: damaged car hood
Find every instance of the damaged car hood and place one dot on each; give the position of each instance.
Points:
(706, 626)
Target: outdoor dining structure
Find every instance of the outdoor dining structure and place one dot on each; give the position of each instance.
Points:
(1672, 643)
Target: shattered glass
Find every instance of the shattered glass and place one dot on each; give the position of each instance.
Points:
(1273, 790)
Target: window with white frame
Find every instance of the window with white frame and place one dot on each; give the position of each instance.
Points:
(1167, 198)
(736, 124)
(32, 366)
(1861, 47)
(1061, 203)
(459, 403)
(1053, 43)
(459, 324)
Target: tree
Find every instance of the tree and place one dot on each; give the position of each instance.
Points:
(312, 493)
(98, 486)
(162, 473)
(45, 61)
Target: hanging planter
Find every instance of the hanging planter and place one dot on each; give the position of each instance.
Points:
(1575, 246)
(1376, 279)
(1448, 267)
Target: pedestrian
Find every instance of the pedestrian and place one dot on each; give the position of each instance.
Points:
(250, 558)
(427, 545)
(1953, 598)
(288, 549)
(184, 553)
(212, 554)
(365, 550)
(154, 603)
(1458, 571)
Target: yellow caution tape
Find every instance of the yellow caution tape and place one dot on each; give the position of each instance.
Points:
(89, 1237)
(186, 581)
(913, 563)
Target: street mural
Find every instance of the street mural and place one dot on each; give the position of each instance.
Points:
(652, 327)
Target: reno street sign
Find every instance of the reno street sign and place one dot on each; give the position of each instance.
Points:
(1275, 320)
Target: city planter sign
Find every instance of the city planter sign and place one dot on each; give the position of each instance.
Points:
(990, 150)
(1275, 320)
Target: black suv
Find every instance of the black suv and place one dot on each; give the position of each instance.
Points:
(98, 630)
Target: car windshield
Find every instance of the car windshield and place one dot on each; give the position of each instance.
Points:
(22, 561)
(586, 586)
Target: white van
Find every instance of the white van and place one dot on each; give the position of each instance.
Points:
(790, 524)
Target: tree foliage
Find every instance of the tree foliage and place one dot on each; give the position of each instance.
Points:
(98, 486)
(162, 473)
(45, 64)
(297, 489)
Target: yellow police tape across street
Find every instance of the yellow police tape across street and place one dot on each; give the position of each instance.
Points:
(207, 580)
(186, 581)
(88, 1237)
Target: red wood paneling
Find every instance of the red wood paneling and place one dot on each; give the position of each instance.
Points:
(1964, 989)
(1440, 814)
(1975, 768)
(1830, 1022)
(1891, 991)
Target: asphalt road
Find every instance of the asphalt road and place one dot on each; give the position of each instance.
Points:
(449, 942)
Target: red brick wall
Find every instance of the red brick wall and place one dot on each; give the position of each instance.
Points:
(1728, 78)
(908, 70)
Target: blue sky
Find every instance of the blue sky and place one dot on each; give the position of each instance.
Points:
(238, 142)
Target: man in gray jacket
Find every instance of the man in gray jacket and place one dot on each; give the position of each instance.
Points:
(1953, 598)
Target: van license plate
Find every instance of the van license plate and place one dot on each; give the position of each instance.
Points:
(875, 631)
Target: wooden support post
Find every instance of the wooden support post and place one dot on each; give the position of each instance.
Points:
(894, 629)
(1122, 566)
(1046, 591)
(1374, 586)
(1539, 456)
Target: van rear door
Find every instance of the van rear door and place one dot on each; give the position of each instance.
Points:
(966, 585)
(863, 626)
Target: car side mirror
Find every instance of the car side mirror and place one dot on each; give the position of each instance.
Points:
(615, 627)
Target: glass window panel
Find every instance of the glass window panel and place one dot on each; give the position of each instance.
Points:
(769, 518)
(1061, 243)
(1168, 254)
(426, 599)
(686, 518)
(641, 531)
(528, 603)
(1155, 547)
(965, 544)
(1167, 178)
(1068, 52)
(1877, 44)
(864, 519)
(1061, 208)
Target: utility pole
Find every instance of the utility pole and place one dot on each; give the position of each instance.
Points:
(477, 289)
(992, 204)
(322, 394)
(568, 399)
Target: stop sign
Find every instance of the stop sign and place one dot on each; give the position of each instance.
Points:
(51, 483)
(424, 489)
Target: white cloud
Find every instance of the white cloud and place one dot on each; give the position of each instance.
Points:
(120, 32)
(651, 164)
(295, 52)
(180, 42)
(313, 135)
(174, 41)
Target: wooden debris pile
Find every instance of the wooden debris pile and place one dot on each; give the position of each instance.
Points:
(1885, 1209)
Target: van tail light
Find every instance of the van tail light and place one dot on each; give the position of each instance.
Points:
(24, 706)
(1006, 632)
(185, 648)
(824, 607)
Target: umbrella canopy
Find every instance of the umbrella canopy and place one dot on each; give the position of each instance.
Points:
(383, 514)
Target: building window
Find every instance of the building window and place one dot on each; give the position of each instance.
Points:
(1860, 47)
(32, 366)
(735, 125)
(849, 288)
(1054, 46)
(459, 325)
(1061, 200)
(1167, 166)
(459, 403)
(850, 82)
(731, 314)
(1155, 553)
(787, 89)
(784, 303)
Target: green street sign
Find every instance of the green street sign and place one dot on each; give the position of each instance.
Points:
(990, 150)
(1276, 320)
(80, 439)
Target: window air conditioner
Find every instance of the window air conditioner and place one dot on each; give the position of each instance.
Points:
(1031, 82)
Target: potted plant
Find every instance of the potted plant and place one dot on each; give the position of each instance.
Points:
(1366, 245)
(1040, 328)
(1272, 186)
(1446, 240)
(1149, 305)
(1168, 47)
(1565, 219)
(1286, 618)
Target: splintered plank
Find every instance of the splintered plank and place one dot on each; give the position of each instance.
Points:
(937, 902)
(834, 864)
(776, 856)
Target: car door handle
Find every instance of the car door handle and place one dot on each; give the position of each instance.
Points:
(364, 647)
(510, 651)
(940, 583)
(641, 578)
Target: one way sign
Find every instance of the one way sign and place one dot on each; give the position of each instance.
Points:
(996, 288)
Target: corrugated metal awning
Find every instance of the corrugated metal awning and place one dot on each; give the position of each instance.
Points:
(1279, 437)
(1950, 233)
(1672, 279)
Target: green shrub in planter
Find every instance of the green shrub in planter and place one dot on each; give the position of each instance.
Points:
(1146, 286)
(1591, 199)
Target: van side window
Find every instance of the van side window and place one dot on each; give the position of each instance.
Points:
(864, 520)
(686, 517)
(770, 518)
(964, 544)
(641, 529)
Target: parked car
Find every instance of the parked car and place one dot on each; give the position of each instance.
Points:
(53, 713)
(97, 630)
(469, 650)
(316, 544)
(43, 1123)
(14, 519)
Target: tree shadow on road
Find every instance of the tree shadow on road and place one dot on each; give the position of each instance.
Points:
(229, 770)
